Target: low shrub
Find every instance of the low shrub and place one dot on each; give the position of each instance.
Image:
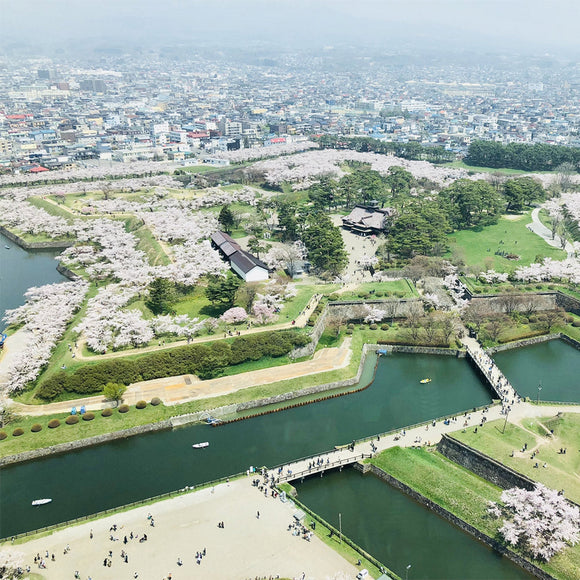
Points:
(349, 331)
(3, 435)
(141, 404)
(384, 327)
(379, 294)
(124, 409)
(373, 326)
(538, 286)
(333, 297)
(53, 423)
(72, 420)
(155, 401)
(36, 428)
(17, 432)
(576, 324)
(107, 412)
(569, 319)
(311, 321)
(551, 287)
(88, 416)
(350, 326)
(533, 319)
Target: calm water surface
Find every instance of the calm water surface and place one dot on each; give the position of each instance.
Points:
(120, 472)
(553, 365)
(398, 531)
(20, 269)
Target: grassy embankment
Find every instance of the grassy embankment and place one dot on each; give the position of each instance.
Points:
(462, 493)
(561, 470)
(477, 247)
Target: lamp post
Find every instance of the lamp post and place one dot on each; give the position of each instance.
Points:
(407, 572)
(507, 412)
(539, 389)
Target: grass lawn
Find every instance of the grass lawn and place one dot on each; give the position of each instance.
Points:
(562, 471)
(51, 208)
(473, 245)
(148, 244)
(462, 493)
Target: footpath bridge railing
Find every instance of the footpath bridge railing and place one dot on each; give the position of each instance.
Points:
(290, 475)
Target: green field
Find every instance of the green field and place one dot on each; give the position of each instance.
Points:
(562, 471)
(477, 248)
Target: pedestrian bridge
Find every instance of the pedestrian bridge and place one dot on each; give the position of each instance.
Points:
(307, 466)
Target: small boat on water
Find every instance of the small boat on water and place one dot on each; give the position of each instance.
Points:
(424, 381)
(212, 421)
(41, 501)
(7, 247)
(200, 445)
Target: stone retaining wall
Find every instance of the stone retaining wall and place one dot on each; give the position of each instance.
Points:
(67, 273)
(538, 300)
(34, 245)
(463, 525)
(522, 343)
(485, 466)
(73, 445)
(482, 465)
(425, 350)
(568, 303)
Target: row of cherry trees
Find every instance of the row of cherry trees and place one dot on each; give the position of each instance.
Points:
(44, 316)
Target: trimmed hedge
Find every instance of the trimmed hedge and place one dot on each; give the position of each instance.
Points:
(124, 409)
(53, 423)
(3, 435)
(141, 404)
(88, 416)
(204, 360)
(17, 432)
(107, 412)
(72, 420)
(155, 401)
(36, 428)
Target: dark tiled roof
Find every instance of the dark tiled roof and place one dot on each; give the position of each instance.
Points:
(246, 262)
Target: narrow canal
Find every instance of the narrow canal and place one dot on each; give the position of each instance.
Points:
(398, 531)
(120, 472)
(553, 366)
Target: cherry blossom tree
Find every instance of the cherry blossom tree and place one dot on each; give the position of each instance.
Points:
(541, 522)
(44, 316)
(234, 315)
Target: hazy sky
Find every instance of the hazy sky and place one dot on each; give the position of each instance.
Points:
(536, 25)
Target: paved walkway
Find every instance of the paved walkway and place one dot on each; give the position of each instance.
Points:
(541, 230)
(417, 437)
(185, 388)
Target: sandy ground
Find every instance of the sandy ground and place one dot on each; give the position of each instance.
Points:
(245, 548)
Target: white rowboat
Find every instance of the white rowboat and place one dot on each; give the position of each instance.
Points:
(41, 501)
(200, 445)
